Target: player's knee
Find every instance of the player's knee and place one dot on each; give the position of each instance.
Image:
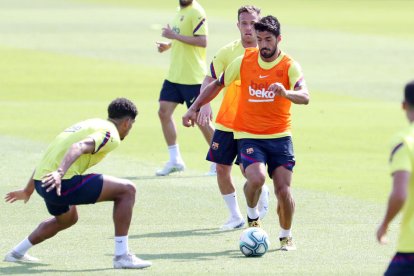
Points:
(68, 221)
(130, 189)
(223, 170)
(163, 114)
(257, 180)
(282, 191)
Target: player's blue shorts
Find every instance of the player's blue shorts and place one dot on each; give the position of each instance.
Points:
(179, 93)
(223, 148)
(402, 264)
(273, 152)
(80, 189)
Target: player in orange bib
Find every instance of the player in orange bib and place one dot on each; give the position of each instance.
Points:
(270, 82)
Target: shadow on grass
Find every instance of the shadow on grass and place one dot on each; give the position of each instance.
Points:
(184, 233)
(190, 256)
(26, 268)
(175, 176)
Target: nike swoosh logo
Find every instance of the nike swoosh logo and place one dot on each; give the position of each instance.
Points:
(262, 77)
(192, 100)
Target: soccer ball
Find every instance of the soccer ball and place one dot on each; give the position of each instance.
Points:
(254, 242)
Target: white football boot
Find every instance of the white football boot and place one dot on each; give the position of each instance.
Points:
(129, 260)
(171, 168)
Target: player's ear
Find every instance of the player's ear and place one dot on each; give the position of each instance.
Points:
(404, 105)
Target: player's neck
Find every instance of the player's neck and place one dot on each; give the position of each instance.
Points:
(249, 44)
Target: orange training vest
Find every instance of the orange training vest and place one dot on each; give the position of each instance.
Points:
(259, 110)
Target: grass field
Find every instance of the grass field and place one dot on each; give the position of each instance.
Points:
(63, 61)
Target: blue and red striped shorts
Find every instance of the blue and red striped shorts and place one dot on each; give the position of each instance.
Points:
(80, 189)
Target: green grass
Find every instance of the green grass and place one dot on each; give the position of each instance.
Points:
(57, 70)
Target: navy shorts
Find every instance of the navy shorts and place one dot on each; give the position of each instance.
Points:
(402, 264)
(223, 148)
(272, 152)
(80, 189)
(179, 93)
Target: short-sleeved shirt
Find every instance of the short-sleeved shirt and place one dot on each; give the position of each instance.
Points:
(221, 60)
(188, 61)
(103, 132)
(233, 73)
(402, 159)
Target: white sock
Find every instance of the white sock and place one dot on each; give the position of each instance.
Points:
(174, 152)
(285, 233)
(23, 246)
(252, 213)
(121, 245)
(232, 205)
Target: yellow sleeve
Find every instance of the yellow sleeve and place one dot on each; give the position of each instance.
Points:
(400, 158)
(232, 72)
(199, 22)
(295, 76)
(217, 65)
(101, 139)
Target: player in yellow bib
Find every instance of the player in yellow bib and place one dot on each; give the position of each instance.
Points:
(402, 195)
(60, 180)
(188, 35)
(223, 148)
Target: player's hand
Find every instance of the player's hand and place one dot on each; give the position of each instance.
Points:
(205, 115)
(279, 89)
(18, 195)
(189, 118)
(382, 234)
(167, 32)
(52, 180)
(163, 46)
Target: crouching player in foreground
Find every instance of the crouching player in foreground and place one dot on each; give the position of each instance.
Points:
(60, 181)
(402, 195)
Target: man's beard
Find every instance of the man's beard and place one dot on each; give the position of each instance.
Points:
(267, 55)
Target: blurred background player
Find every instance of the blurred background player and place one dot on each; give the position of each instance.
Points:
(223, 148)
(60, 181)
(402, 195)
(188, 44)
(270, 82)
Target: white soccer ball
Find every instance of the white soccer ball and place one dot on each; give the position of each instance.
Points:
(254, 242)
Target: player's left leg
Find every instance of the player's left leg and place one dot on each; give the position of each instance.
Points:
(122, 193)
(282, 178)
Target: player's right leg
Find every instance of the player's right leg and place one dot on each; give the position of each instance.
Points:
(45, 230)
(223, 150)
(170, 97)
(122, 193)
(253, 161)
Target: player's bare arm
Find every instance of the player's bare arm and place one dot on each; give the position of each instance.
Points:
(300, 95)
(206, 114)
(206, 96)
(54, 179)
(395, 202)
(163, 46)
(23, 194)
(198, 40)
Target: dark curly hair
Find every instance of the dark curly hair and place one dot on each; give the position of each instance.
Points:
(409, 93)
(122, 107)
(268, 24)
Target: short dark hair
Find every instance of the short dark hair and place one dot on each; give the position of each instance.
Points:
(268, 24)
(409, 93)
(249, 9)
(122, 107)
